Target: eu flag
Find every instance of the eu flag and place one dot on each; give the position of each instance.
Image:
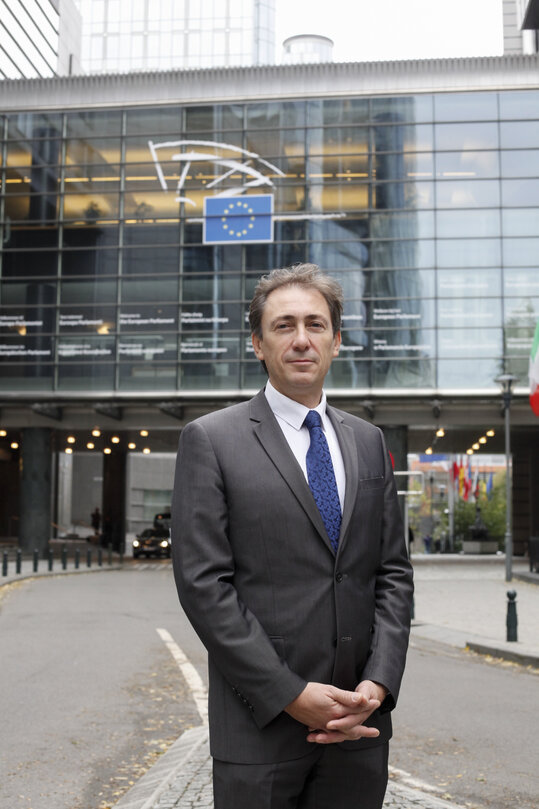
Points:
(229, 220)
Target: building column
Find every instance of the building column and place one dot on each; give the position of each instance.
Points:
(114, 484)
(397, 444)
(36, 489)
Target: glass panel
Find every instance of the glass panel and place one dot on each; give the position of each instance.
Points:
(462, 374)
(147, 260)
(338, 140)
(77, 319)
(141, 318)
(468, 194)
(467, 223)
(466, 136)
(99, 150)
(153, 289)
(520, 252)
(85, 349)
(211, 287)
(27, 320)
(468, 252)
(275, 114)
(275, 143)
(27, 348)
(402, 166)
(34, 153)
(209, 375)
(458, 284)
(154, 121)
(520, 192)
(520, 163)
(519, 104)
(397, 374)
(399, 312)
(32, 207)
(90, 291)
(405, 108)
(403, 195)
(402, 253)
(89, 262)
(470, 342)
(30, 293)
(148, 348)
(213, 118)
(34, 125)
(213, 317)
(86, 236)
(524, 281)
(467, 164)
(92, 179)
(147, 376)
(91, 208)
(21, 263)
(93, 123)
(519, 135)
(338, 111)
(465, 106)
(459, 313)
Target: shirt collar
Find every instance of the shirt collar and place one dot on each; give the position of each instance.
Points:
(290, 411)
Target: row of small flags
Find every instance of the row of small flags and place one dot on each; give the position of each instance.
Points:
(470, 484)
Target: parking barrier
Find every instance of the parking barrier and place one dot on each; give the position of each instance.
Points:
(4, 563)
(35, 563)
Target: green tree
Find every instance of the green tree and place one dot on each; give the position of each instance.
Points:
(492, 512)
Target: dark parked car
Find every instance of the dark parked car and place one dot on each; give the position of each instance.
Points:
(152, 542)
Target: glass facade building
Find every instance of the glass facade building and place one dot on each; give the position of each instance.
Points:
(425, 207)
(126, 35)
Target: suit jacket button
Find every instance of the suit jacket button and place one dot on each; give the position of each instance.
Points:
(339, 577)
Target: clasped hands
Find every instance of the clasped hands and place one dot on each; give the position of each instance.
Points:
(334, 715)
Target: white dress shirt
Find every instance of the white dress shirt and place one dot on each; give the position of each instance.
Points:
(290, 416)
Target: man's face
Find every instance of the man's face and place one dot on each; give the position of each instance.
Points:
(297, 342)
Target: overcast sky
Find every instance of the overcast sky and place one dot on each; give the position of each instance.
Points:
(371, 30)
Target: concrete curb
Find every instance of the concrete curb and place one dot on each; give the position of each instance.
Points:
(43, 573)
(514, 652)
(152, 784)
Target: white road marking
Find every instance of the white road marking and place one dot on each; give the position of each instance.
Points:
(190, 674)
(407, 778)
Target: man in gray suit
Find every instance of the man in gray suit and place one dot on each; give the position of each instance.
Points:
(290, 562)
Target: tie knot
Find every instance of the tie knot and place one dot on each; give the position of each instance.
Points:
(312, 419)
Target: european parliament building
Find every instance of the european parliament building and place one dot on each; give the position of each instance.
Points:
(139, 210)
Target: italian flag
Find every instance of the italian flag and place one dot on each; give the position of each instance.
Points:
(534, 373)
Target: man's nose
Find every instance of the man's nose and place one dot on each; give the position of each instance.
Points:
(301, 338)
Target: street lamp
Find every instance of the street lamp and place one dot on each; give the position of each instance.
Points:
(506, 382)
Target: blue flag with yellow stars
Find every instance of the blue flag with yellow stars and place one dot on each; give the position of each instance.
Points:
(229, 220)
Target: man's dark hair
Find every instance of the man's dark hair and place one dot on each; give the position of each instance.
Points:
(301, 275)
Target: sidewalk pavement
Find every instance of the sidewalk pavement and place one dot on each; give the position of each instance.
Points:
(460, 601)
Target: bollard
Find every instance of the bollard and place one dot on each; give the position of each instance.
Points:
(77, 558)
(50, 558)
(4, 563)
(64, 557)
(512, 621)
(109, 550)
(36, 560)
(89, 558)
(18, 562)
(413, 609)
(100, 557)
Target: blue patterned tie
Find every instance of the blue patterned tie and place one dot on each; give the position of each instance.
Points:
(321, 477)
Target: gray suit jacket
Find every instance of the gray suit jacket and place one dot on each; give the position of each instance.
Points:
(258, 579)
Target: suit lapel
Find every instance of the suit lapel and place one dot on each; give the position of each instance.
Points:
(347, 443)
(270, 435)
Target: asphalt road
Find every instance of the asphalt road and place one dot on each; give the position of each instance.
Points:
(91, 696)
(469, 727)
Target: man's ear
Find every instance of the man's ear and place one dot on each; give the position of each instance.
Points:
(336, 344)
(257, 345)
